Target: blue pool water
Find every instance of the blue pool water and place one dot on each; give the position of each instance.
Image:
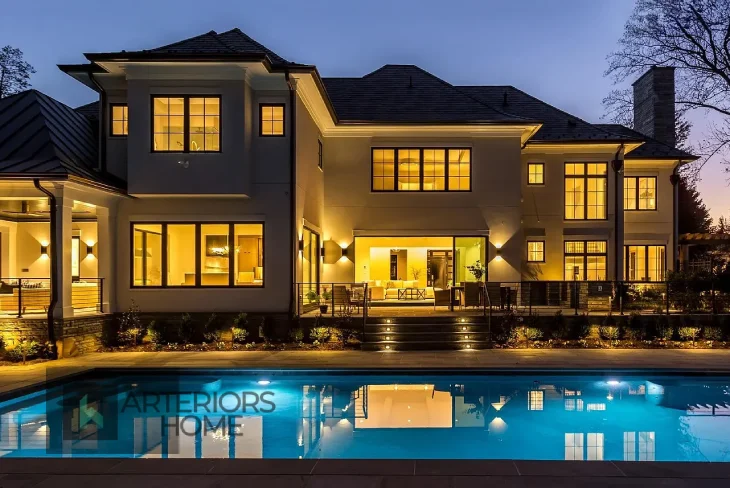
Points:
(257, 415)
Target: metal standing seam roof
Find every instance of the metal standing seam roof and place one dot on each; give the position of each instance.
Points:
(40, 135)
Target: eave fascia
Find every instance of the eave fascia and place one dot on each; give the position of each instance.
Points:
(556, 147)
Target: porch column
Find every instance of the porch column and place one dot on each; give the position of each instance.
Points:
(105, 248)
(62, 217)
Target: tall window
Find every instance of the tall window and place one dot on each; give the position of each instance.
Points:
(271, 119)
(421, 169)
(536, 251)
(119, 119)
(585, 260)
(639, 192)
(310, 262)
(535, 173)
(645, 263)
(585, 191)
(147, 255)
(186, 124)
(201, 254)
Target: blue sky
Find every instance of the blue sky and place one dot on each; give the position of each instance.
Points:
(554, 50)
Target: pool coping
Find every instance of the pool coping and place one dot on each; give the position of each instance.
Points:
(347, 470)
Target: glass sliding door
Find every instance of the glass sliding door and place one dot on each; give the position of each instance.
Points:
(469, 252)
(310, 263)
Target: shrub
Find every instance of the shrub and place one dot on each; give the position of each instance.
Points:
(155, 333)
(240, 320)
(344, 329)
(131, 331)
(558, 326)
(239, 335)
(580, 327)
(25, 350)
(504, 329)
(250, 345)
(635, 328)
(664, 328)
(608, 332)
(187, 329)
(320, 334)
(297, 335)
(650, 326)
(110, 333)
(267, 329)
(712, 333)
(213, 329)
(689, 333)
(533, 334)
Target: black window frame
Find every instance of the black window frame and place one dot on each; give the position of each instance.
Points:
(420, 155)
(536, 163)
(585, 177)
(646, 261)
(320, 154)
(636, 195)
(112, 119)
(543, 250)
(585, 254)
(186, 122)
(198, 261)
(261, 119)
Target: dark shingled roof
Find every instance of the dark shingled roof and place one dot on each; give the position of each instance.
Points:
(90, 110)
(408, 94)
(40, 135)
(211, 43)
(558, 126)
(651, 149)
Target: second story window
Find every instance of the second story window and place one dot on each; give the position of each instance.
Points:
(585, 191)
(119, 119)
(535, 173)
(639, 192)
(186, 124)
(535, 251)
(421, 169)
(271, 119)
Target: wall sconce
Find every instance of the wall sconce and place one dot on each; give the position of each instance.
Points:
(344, 252)
(320, 250)
(44, 250)
(89, 250)
(498, 257)
(301, 245)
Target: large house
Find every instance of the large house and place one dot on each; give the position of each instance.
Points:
(214, 175)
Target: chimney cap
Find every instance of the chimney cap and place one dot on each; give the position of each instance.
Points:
(652, 69)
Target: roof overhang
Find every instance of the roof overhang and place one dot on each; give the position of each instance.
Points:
(557, 147)
(62, 177)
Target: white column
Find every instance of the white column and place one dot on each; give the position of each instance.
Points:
(105, 246)
(62, 245)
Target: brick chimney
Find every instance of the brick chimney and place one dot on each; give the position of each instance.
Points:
(654, 114)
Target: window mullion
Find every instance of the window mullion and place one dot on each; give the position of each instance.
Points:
(395, 169)
(186, 124)
(446, 170)
(420, 169)
(198, 236)
(163, 281)
(231, 254)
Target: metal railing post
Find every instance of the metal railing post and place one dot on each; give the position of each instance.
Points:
(101, 295)
(20, 298)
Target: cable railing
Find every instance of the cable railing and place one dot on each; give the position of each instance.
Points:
(27, 296)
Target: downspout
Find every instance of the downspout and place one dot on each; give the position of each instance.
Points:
(674, 180)
(617, 164)
(292, 186)
(102, 123)
(55, 282)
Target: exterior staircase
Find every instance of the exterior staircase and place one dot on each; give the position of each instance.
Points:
(425, 333)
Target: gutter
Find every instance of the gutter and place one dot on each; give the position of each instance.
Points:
(55, 279)
(292, 186)
(674, 180)
(102, 123)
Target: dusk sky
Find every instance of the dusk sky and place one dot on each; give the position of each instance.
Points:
(554, 50)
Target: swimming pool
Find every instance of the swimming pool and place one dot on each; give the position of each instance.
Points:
(253, 414)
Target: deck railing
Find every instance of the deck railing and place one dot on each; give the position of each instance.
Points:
(22, 296)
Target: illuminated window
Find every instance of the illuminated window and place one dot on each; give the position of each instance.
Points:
(409, 170)
(535, 400)
(647, 446)
(75, 257)
(434, 169)
(271, 119)
(186, 124)
(574, 447)
(585, 191)
(535, 173)
(585, 260)
(203, 254)
(205, 123)
(639, 192)
(383, 169)
(147, 255)
(645, 263)
(536, 251)
(595, 447)
(596, 407)
(629, 446)
(459, 169)
(119, 119)
(421, 169)
(180, 254)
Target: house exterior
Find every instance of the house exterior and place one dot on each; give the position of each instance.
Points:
(214, 175)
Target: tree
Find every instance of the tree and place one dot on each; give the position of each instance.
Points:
(14, 71)
(693, 36)
(693, 216)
